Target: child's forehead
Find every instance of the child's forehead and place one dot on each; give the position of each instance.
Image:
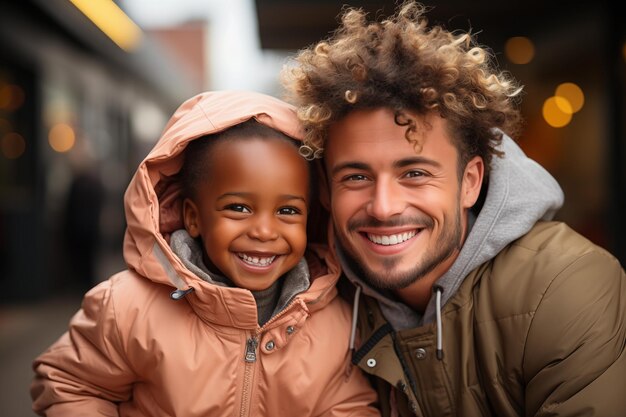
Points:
(264, 166)
(255, 154)
(272, 147)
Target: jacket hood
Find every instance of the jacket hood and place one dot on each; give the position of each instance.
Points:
(153, 203)
(520, 193)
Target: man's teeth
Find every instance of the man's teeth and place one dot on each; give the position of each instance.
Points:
(387, 240)
(256, 260)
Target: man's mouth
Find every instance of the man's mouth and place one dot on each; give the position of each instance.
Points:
(387, 240)
(257, 260)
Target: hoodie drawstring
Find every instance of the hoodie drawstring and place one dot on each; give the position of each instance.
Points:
(355, 314)
(376, 337)
(179, 294)
(438, 290)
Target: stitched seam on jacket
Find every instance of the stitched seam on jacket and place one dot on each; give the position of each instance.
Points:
(376, 337)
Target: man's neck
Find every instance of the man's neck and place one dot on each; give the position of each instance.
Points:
(417, 295)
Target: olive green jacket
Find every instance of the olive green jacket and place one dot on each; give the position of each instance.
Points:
(538, 330)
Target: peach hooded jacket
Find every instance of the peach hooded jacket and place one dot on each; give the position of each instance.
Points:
(156, 340)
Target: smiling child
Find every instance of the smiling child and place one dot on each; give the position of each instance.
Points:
(225, 309)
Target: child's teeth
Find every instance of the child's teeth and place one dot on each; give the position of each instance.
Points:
(255, 260)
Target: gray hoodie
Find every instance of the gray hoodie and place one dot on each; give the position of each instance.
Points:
(521, 192)
(269, 302)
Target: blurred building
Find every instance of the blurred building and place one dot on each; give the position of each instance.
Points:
(80, 104)
(571, 58)
(186, 44)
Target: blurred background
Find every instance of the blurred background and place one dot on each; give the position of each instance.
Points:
(87, 85)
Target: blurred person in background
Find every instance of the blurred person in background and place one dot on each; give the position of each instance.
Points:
(221, 311)
(471, 301)
(81, 222)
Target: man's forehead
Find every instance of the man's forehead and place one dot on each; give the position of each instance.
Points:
(385, 124)
(368, 123)
(375, 133)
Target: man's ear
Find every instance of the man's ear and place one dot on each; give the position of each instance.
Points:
(191, 218)
(324, 190)
(472, 181)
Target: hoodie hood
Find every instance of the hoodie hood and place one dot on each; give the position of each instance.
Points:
(520, 193)
(153, 206)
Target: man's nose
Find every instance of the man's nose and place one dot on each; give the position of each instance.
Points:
(386, 201)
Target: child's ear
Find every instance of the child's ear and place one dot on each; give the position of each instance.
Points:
(324, 192)
(191, 218)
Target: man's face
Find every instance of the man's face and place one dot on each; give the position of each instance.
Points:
(399, 214)
(251, 213)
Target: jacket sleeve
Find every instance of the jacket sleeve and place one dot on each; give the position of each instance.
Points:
(84, 373)
(575, 358)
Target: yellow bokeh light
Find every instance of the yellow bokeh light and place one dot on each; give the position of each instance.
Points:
(12, 145)
(573, 94)
(563, 104)
(554, 114)
(519, 50)
(61, 137)
(111, 20)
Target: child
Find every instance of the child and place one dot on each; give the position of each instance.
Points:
(220, 313)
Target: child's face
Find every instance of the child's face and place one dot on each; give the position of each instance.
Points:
(251, 214)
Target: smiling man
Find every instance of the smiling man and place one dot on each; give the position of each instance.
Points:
(470, 300)
(398, 212)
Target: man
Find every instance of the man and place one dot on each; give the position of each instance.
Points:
(470, 301)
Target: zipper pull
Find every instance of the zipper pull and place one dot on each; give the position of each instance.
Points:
(251, 345)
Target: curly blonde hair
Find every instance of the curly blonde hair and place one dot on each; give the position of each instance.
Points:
(403, 64)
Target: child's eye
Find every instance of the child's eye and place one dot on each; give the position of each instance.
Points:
(238, 207)
(290, 211)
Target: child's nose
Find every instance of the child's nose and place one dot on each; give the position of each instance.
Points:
(263, 228)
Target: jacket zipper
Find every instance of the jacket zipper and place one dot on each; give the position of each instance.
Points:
(279, 315)
(250, 360)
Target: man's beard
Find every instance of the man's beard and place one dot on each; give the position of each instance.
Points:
(446, 244)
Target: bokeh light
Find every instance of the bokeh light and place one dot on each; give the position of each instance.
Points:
(557, 111)
(11, 97)
(12, 145)
(573, 94)
(61, 137)
(111, 20)
(519, 50)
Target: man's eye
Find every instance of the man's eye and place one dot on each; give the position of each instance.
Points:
(355, 177)
(289, 211)
(415, 174)
(238, 207)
